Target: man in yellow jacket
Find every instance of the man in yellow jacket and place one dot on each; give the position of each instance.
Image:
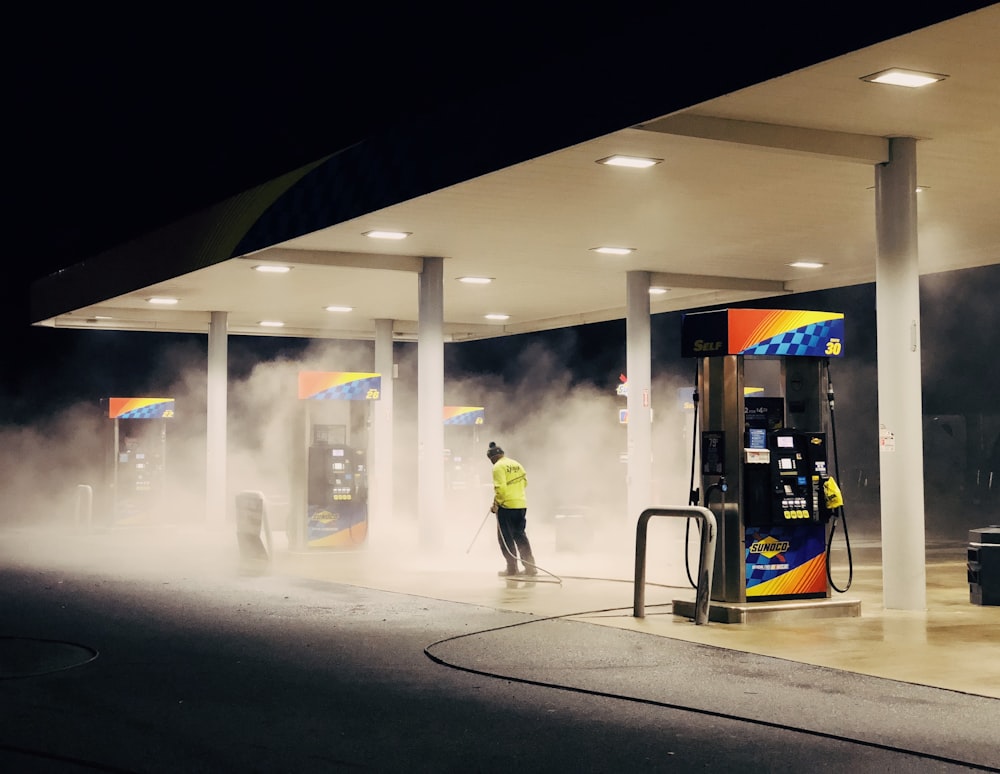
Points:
(510, 506)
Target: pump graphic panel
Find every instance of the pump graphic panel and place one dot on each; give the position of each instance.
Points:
(464, 415)
(785, 561)
(773, 332)
(339, 385)
(140, 408)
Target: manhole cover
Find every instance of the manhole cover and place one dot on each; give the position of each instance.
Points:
(27, 656)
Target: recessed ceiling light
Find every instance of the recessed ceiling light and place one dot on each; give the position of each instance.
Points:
(162, 300)
(334, 308)
(656, 291)
(271, 324)
(897, 76)
(266, 268)
(635, 162)
(613, 250)
(387, 234)
(103, 317)
(918, 189)
(497, 316)
(476, 280)
(807, 265)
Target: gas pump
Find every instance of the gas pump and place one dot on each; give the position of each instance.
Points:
(765, 458)
(462, 464)
(329, 503)
(137, 465)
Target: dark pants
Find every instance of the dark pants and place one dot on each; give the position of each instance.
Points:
(511, 537)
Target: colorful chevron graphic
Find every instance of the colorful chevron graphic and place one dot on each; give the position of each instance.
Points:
(140, 408)
(464, 415)
(339, 385)
(785, 332)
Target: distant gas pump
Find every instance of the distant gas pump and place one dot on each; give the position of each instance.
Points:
(462, 465)
(329, 503)
(764, 451)
(138, 460)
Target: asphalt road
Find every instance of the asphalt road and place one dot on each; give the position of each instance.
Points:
(108, 667)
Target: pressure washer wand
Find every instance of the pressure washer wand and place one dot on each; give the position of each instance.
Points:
(488, 514)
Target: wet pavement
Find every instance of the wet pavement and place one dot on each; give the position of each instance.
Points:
(157, 651)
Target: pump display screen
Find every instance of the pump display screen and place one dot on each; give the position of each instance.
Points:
(785, 442)
(337, 452)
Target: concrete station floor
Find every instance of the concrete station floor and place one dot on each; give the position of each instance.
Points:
(953, 644)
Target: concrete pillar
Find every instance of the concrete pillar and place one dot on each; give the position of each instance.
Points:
(218, 382)
(381, 502)
(430, 403)
(897, 301)
(638, 357)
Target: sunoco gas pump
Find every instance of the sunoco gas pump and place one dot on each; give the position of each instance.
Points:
(765, 467)
(329, 502)
(462, 457)
(139, 458)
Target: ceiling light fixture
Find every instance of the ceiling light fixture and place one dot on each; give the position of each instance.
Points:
(918, 189)
(266, 268)
(334, 308)
(634, 162)
(271, 324)
(807, 265)
(656, 291)
(476, 280)
(162, 300)
(613, 250)
(387, 234)
(497, 316)
(898, 76)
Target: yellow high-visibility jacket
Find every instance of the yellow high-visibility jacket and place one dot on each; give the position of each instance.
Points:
(509, 483)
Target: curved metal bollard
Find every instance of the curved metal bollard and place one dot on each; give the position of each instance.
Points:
(706, 562)
(84, 505)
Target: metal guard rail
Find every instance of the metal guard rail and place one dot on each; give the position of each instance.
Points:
(706, 563)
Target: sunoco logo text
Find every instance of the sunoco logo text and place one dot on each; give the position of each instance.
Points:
(770, 546)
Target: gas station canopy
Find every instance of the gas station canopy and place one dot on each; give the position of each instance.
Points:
(741, 188)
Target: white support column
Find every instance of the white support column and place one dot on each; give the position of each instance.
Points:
(218, 378)
(380, 487)
(638, 357)
(897, 301)
(430, 404)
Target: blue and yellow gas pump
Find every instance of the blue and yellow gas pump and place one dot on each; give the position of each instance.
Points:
(462, 464)
(138, 461)
(329, 503)
(765, 467)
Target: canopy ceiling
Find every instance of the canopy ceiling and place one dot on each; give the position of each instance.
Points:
(748, 182)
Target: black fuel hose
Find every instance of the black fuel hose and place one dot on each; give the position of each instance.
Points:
(842, 513)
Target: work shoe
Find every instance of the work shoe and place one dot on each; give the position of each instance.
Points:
(507, 572)
(530, 569)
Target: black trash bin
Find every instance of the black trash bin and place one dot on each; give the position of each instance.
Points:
(984, 565)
